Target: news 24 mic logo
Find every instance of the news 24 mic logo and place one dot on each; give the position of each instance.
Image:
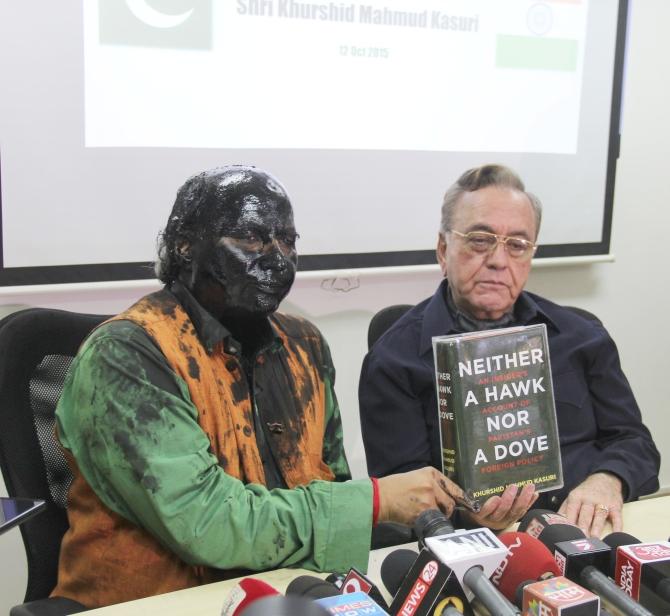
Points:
(171, 24)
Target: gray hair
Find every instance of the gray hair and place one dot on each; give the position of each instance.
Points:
(481, 177)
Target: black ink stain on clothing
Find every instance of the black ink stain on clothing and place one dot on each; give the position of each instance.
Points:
(151, 483)
(193, 368)
(132, 455)
(147, 412)
(164, 302)
(239, 389)
(279, 540)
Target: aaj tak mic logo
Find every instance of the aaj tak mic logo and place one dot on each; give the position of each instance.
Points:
(630, 562)
(650, 551)
(169, 24)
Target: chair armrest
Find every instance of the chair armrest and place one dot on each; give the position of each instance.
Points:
(52, 606)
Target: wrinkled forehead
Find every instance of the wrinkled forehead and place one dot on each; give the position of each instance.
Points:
(497, 209)
(247, 196)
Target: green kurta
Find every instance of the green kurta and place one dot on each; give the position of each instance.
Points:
(156, 468)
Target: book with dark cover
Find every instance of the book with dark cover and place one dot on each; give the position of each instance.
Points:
(496, 409)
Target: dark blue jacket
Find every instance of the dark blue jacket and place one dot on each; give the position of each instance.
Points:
(599, 421)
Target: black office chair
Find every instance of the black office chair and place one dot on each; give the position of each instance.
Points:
(383, 319)
(387, 534)
(37, 346)
(582, 312)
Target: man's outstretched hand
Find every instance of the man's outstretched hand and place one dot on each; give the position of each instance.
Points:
(402, 497)
(594, 501)
(499, 511)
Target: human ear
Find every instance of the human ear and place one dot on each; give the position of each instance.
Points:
(441, 252)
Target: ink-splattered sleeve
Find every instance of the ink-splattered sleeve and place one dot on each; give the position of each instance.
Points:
(128, 420)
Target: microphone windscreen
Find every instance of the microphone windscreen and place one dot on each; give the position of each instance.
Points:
(395, 567)
(518, 595)
(432, 523)
(532, 515)
(312, 587)
(614, 540)
(551, 535)
(536, 520)
(336, 579)
(285, 606)
(527, 559)
(245, 592)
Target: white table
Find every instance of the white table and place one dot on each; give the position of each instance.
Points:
(648, 520)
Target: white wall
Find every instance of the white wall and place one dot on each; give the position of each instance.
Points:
(631, 295)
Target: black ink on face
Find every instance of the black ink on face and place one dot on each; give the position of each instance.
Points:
(251, 255)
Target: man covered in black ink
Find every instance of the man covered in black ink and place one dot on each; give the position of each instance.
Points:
(202, 426)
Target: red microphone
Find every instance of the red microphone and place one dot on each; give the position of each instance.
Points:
(530, 560)
(527, 559)
(642, 570)
(357, 582)
(246, 591)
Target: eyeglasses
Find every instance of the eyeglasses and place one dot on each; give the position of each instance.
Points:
(484, 243)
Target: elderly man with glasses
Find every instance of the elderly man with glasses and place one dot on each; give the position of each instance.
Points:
(486, 242)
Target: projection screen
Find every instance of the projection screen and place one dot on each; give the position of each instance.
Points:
(366, 111)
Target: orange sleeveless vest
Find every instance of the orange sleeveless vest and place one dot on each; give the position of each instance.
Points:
(107, 559)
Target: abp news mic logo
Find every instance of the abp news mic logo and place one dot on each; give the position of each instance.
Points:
(171, 24)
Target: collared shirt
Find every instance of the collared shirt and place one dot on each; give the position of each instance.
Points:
(599, 421)
(211, 332)
(167, 480)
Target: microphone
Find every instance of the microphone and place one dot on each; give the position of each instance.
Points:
(559, 595)
(335, 578)
(311, 587)
(571, 559)
(421, 585)
(642, 570)
(431, 523)
(579, 558)
(329, 596)
(279, 605)
(246, 591)
(529, 577)
(355, 581)
(395, 568)
(527, 559)
(352, 604)
(472, 555)
(536, 520)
